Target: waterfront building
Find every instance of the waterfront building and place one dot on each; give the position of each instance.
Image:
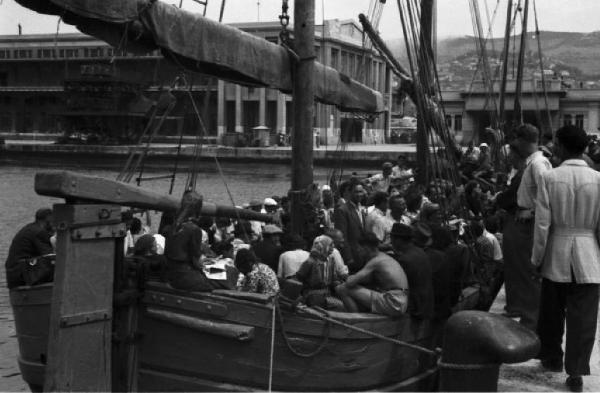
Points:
(34, 68)
(468, 111)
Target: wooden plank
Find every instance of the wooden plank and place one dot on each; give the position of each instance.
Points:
(71, 185)
(79, 354)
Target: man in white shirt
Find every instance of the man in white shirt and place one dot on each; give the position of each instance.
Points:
(383, 180)
(566, 250)
(522, 286)
(383, 226)
(380, 204)
(290, 261)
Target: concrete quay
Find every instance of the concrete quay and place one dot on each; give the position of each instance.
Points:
(356, 154)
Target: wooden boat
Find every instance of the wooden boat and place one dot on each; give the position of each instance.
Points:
(222, 340)
(101, 326)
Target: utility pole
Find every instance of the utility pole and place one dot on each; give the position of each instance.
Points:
(303, 99)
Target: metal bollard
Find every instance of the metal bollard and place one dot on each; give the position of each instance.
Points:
(475, 344)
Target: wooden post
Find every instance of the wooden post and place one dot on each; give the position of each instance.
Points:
(303, 99)
(89, 237)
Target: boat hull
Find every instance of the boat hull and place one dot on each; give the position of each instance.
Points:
(221, 341)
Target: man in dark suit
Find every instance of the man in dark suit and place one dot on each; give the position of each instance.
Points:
(349, 218)
(32, 241)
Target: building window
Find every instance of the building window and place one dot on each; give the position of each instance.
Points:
(579, 121)
(567, 120)
(351, 71)
(344, 63)
(334, 58)
(95, 52)
(72, 53)
(23, 54)
(448, 121)
(61, 53)
(457, 122)
(4, 54)
(46, 53)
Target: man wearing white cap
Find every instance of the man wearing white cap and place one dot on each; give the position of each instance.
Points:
(272, 209)
(484, 162)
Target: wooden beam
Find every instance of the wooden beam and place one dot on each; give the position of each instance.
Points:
(75, 186)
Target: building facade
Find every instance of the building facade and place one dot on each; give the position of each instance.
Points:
(34, 68)
(468, 113)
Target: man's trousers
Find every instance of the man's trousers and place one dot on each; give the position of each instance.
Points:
(578, 304)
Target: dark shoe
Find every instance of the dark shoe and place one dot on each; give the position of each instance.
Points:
(554, 365)
(574, 383)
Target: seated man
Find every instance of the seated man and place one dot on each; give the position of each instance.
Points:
(29, 244)
(391, 294)
(416, 264)
(290, 261)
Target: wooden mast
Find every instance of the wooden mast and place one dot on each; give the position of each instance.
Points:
(518, 113)
(505, 65)
(427, 39)
(303, 100)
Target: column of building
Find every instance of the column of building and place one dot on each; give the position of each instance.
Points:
(594, 118)
(238, 109)
(281, 115)
(221, 128)
(262, 106)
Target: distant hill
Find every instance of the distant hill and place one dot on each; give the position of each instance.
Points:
(577, 52)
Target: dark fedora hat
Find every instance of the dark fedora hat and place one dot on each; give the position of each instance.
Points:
(422, 234)
(401, 230)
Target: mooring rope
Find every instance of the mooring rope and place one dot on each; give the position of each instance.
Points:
(334, 321)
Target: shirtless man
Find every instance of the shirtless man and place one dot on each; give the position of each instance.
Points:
(381, 271)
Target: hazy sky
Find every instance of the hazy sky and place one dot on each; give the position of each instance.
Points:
(453, 15)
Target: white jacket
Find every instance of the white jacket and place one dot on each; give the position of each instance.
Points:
(567, 223)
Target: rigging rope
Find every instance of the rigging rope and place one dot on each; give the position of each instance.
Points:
(541, 60)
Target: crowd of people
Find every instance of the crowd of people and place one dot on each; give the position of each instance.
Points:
(385, 244)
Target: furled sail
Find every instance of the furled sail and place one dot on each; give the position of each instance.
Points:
(203, 45)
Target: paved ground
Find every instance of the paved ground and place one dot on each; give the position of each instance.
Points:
(528, 376)
(531, 377)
